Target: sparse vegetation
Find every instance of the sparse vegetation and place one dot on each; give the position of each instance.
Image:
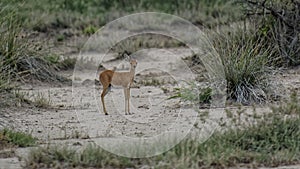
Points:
(14, 138)
(205, 95)
(89, 156)
(268, 143)
(199, 95)
(189, 93)
(41, 101)
(67, 63)
(292, 108)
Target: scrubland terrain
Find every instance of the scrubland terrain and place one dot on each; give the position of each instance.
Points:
(50, 111)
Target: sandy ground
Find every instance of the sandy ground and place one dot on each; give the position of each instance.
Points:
(76, 113)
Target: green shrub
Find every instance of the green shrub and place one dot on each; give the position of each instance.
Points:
(90, 30)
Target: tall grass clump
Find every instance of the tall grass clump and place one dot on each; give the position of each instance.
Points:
(19, 57)
(8, 47)
(19, 61)
(246, 61)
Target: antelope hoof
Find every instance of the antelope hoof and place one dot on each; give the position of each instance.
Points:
(106, 113)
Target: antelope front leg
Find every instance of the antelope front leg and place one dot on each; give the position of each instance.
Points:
(104, 92)
(125, 97)
(128, 98)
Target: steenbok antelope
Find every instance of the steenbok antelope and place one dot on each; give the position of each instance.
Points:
(123, 79)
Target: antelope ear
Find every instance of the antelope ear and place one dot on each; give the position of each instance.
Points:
(127, 57)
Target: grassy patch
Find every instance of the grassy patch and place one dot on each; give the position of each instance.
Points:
(41, 101)
(20, 139)
(90, 156)
(205, 95)
(195, 94)
(89, 30)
